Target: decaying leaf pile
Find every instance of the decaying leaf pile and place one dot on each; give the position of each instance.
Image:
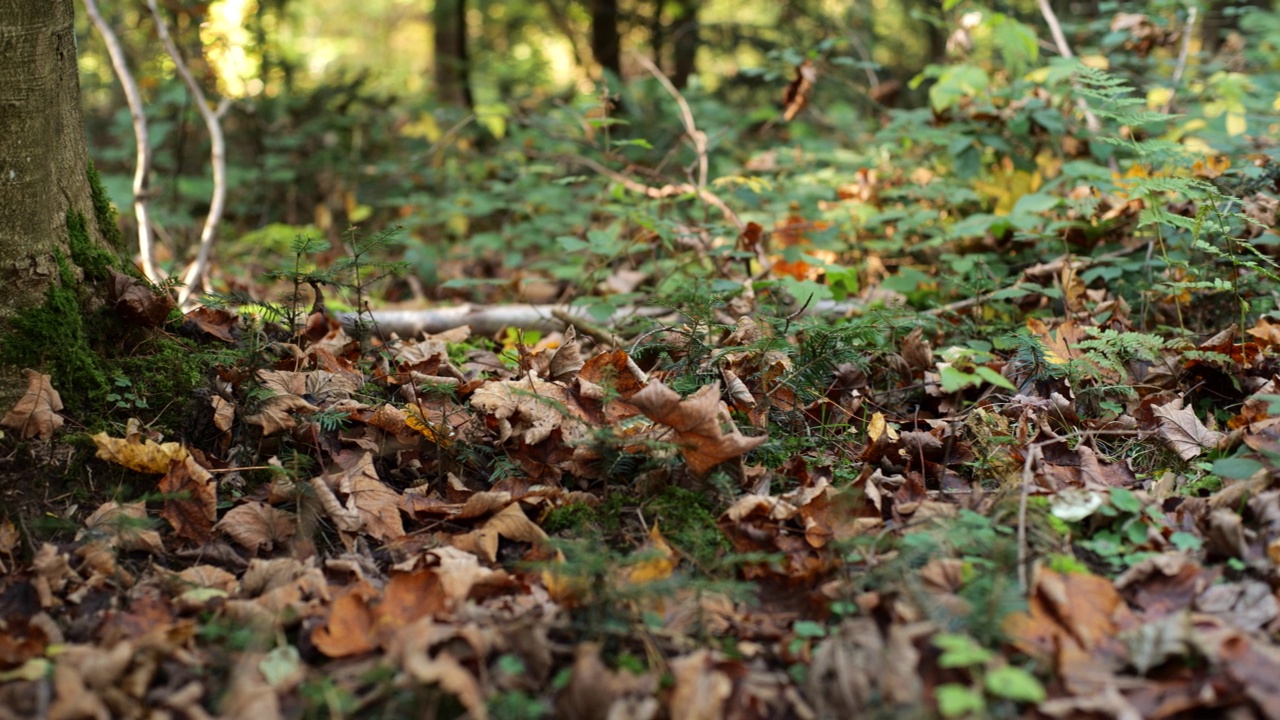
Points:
(874, 571)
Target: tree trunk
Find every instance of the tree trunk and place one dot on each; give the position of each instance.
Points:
(685, 41)
(604, 36)
(453, 86)
(44, 161)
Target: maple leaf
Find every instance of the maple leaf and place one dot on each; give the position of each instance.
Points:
(1183, 431)
(36, 413)
(696, 421)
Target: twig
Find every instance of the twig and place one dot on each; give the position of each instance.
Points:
(666, 191)
(867, 62)
(1064, 49)
(1183, 52)
(142, 167)
(590, 329)
(1049, 268)
(1034, 454)
(698, 137)
(194, 279)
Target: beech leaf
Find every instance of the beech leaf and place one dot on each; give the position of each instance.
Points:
(696, 421)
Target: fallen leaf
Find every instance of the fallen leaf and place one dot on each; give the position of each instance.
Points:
(348, 630)
(657, 562)
(511, 523)
(276, 413)
(136, 302)
(124, 526)
(696, 421)
(529, 408)
(36, 412)
(377, 504)
(257, 526)
(137, 452)
(1183, 431)
(192, 502)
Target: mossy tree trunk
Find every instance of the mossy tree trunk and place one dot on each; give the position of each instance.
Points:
(44, 161)
(53, 213)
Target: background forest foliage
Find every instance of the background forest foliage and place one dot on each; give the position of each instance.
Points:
(932, 137)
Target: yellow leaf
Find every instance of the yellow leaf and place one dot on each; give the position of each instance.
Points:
(1236, 123)
(878, 429)
(658, 563)
(137, 452)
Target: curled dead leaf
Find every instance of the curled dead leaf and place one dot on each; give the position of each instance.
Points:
(697, 424)
(36, 412)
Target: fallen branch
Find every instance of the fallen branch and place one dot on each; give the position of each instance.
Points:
(142, 163)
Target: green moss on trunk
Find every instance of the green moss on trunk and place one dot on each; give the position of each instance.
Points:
(76, 337)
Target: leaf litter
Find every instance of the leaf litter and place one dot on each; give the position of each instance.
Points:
(996, 546)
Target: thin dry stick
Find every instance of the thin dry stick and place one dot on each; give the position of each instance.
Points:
(1064, 49)
(666, 191)
(1050, 268)
(1183, 52)
(1034, 454)
(142, 167)
(698, 137)
(194, 279)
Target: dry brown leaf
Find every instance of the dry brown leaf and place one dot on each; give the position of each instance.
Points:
(917, 351)
(136, 302)
(459, 571)
(407, 597)
(276, 413)
(696, 421)
(511, 523)
(377, 504)
(137, 452)
(192, 502)
(528, 407)
(701, 689)
(594, 691)
(567, 360)
(123, 526)
(36, 412)
(257, 526)
(1183, 431)
(348, 630)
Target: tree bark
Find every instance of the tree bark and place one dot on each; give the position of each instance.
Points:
(452, 73)
(685, 41)
(605, 41)
(44, 160)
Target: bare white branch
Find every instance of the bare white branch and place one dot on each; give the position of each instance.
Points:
(142, 163)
